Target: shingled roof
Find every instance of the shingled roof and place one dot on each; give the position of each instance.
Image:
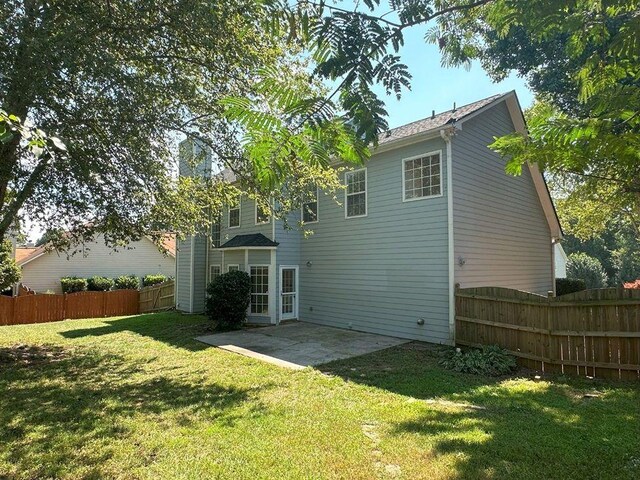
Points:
(436, 121)
(252, 240)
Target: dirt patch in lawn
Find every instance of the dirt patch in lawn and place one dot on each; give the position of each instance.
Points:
(25, 355)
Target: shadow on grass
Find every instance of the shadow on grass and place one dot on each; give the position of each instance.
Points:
(66, 417)
(173, 328)
(507, 427)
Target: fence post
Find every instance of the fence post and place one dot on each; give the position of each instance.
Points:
(549, 353)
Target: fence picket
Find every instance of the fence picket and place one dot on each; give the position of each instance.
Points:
(594, 332)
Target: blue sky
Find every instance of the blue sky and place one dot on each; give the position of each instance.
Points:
(436, 88)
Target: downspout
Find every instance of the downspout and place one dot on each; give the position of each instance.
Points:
(446, 135)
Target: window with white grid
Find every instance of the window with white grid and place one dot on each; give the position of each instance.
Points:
(260, 290)
(422, 177)
(214, 272)
(234, 214)
(310, 208)
(356, 193)
(233, 267)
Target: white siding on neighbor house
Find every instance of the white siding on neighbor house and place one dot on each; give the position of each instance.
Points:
(500, 230)
(383, 272)
(141, 258)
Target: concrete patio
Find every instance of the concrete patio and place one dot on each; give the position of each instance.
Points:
(298, 345)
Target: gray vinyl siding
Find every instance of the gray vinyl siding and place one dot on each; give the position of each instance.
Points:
(191, 274)
(237, 257)
(500, 230)
(383, 272)
(184, 275)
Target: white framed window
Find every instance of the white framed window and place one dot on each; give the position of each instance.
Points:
(259, 290)
(422, 176)
(309, 212)
(355, 204)
(234, 214)
(216, 234)
(214, 272)
(262, 216)
(233, 267)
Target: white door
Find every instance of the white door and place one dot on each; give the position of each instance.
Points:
(288, 292)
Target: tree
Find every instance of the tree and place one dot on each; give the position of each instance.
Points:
(581, 56)
(589, 269)
(9, 271)
(118, 81)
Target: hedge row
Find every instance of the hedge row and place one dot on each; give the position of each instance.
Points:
(104, 284)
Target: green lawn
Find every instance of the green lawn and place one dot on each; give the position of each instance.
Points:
(136, 397)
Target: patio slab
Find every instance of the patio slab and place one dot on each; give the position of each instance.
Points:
(298, 345)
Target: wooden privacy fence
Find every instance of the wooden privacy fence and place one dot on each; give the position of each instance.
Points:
(593, 332)
(51, 308)
(157, 297)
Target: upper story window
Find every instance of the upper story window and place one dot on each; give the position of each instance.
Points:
(310, 208)
(262, 214)
(215, 233)
(356, 193)
(421, 177)
(234, 214)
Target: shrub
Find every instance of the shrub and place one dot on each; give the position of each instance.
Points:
(488, 360)
(99, 284)
(126, 282)
(149, 280)
(565, 286)
(73, 284)
(228, 298)
(587, 268)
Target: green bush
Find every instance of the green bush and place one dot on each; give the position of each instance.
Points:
(587, 268)
(489, 360)
(565, 286)
(228, 298)
(99, 284)
(126, 282)
(149, 280)
(73, 284)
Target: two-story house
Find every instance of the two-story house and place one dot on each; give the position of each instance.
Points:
(432, 208)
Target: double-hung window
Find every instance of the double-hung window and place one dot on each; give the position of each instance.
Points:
(214, 272)
(215, 233)
(422, 176)
(234, 214)
(260, 290)
(233, 267)
(356, 193)
(310, 208)
(262, 214)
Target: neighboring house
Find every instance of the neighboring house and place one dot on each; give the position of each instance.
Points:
(560, 261)
(432, 208)
(42, 269)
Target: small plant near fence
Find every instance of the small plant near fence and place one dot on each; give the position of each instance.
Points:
(489, 360)
(99, 284)
(126, 282)
(73, 284)
(564, 286)
(149, 280)
(228, 299)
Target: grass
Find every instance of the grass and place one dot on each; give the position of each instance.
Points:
(137, 397)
